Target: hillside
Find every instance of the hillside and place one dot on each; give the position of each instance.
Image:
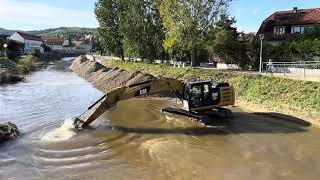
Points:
(62, 32)
(6, 32)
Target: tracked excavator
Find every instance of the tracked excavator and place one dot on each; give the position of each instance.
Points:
(198, 98)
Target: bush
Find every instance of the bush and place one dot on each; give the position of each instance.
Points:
(7, 63)
(12, 55)
(13, 50)
(27, 60)
(36, 53)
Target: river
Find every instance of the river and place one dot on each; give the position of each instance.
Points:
(138, 141)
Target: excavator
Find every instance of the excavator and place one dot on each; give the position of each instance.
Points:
(198, 98)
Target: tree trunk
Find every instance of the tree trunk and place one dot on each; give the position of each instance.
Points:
(122, 57)
(194, 62)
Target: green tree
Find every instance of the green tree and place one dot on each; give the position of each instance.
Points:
(12, 50)
(98, 46)
(107, 13)
(224, 41)
(2, 42)
(141, 27)
(188, 23)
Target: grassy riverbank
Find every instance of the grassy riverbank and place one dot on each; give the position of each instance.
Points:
(293, 97)
(14, 71)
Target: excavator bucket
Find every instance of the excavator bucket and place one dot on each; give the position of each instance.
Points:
(106, 102)
(93, 112)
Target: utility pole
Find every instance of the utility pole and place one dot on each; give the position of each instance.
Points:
(261, 36)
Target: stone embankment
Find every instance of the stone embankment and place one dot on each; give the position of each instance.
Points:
(103, 78)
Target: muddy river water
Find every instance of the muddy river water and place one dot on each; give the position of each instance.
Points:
(138, 141)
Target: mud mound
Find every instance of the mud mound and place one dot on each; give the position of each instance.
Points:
(106, 79)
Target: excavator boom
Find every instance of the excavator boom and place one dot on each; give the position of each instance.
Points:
(142, 89)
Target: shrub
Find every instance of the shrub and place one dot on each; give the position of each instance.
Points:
(7, 63)
(36, 53)
(13, 50)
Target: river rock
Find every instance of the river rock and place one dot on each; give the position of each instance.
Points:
(8, 131)
(105, 78)
(16, 78)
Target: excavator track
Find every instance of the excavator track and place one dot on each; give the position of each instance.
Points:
(206, 118)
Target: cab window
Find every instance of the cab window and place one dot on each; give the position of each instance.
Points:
(196, 92)
(206, 90)
(186, 93)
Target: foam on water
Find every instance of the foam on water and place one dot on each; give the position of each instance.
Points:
(63, 133)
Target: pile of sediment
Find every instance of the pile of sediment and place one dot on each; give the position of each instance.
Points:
(106, 79)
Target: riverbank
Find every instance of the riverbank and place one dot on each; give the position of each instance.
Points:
(254, 93)
(12, 71)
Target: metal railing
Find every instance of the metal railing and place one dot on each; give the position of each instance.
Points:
(293, 69)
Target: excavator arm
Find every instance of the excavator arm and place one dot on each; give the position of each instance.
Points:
(109, 101)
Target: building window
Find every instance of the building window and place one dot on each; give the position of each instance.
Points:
(297, 29)
(279, 30)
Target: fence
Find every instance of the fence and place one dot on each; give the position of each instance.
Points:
(309, 70)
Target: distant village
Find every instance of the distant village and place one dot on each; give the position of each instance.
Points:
(28, 42)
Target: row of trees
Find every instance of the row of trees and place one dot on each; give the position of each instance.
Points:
(189, 30)
(155, 29)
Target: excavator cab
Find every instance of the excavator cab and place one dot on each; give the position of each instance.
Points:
(205, 95)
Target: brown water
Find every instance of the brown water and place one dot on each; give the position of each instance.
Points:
(137, 141)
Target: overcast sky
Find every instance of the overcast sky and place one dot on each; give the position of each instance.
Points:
(43, 14)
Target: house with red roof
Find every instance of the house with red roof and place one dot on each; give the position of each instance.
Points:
(60, 44)
(56, 44)
(282, 25)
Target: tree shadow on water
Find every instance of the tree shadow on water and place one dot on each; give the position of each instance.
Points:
(241, 123)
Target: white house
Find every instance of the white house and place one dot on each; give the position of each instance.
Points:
(30, 42)
(55, 43)
(83, 46)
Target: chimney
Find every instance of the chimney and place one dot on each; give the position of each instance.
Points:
(295, 9)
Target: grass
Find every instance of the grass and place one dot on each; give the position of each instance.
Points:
(28, 61)
(23, 66)
(272, 92)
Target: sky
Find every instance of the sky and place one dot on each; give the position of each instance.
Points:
(43, 14)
